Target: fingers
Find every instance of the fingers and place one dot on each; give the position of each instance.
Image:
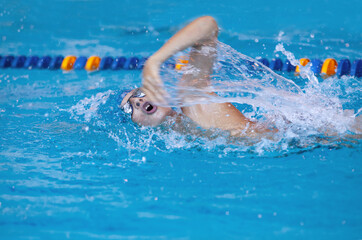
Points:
(152, 94)
(152, 84)
(155, 92)
(154, 98)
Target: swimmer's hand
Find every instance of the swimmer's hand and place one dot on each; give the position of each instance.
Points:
(152, 84)
(200, 32)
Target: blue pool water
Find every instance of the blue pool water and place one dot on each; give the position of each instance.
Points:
(70, 169)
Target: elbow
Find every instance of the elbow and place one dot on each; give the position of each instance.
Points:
(211, 23)
(209, 19)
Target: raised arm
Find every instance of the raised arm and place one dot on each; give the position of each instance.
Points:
(200, 33)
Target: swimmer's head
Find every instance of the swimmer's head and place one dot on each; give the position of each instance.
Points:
(142, 111)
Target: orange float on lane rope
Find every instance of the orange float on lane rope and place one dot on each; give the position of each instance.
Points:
(179, 66)
(303, 62)
(92, 63)
(68, 63)
(181, 62)
(329, 67)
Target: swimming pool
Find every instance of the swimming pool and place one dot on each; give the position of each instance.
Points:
(70, 170)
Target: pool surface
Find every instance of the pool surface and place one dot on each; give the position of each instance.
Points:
(71, 169)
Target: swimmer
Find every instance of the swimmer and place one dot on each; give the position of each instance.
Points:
(146, 104)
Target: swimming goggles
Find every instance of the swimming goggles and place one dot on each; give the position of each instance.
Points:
(127, 107)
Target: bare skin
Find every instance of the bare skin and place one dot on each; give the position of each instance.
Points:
(201, 36)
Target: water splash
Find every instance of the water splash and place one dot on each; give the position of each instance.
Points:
(89, 107)
(305, 71)
(306, 116)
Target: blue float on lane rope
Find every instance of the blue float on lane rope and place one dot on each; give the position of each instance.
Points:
(18, 62)
(344, 67)
(316, 66)
(276, 64)
(356, 69)
(80, 63)
(31, 62)
(6, 61)
(288, 67)
(118, 63)
(44, 62)
(105, 63)
(56, 62)
(141, 63)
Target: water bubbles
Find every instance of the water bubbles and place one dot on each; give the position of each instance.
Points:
(88, 107)
(280, 36)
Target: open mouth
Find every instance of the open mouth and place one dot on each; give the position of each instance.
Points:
(149, 108)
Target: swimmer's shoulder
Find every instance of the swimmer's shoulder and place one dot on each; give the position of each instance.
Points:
(224, 116)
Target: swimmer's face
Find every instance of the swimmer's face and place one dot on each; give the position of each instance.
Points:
(143, 111)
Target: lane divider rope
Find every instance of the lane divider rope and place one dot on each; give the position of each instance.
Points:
(326, 68)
